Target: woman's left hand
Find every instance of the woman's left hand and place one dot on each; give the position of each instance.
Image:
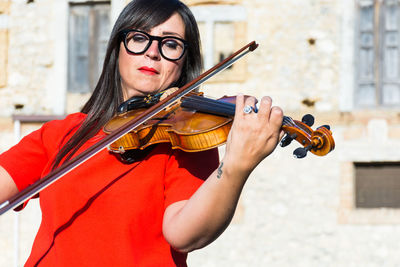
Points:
(253, 135)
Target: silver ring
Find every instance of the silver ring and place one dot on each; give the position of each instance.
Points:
(247, 109)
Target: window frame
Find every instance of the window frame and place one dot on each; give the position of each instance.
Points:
(348, 213)
(379, 33)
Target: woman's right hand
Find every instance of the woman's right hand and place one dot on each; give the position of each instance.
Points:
(8, 188)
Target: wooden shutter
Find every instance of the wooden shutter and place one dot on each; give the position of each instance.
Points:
(365, 94)
(377, 185)
(78, 50)
(89, 30)
(390, 94)
(100, 33)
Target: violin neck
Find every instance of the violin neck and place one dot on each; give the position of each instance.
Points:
(217, 107)
(207, 105)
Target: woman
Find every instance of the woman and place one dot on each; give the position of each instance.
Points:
(155, 210)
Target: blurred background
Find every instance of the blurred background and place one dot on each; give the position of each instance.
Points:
(338, 60)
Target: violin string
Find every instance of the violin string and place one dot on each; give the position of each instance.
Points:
(229, 107)
(199, 102)
(288, 121)
(205, 106)
(209, 105)
(204, 100)
(222, 108)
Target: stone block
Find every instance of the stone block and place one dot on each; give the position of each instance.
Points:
(4, 6)
(394, 132)
(3, 56)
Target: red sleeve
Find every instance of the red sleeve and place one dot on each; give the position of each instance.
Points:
(26, 161)
(186, 172)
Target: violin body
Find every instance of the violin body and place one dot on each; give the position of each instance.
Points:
(183, 128)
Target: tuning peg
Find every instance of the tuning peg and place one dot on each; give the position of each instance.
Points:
(325, 126)
(308, 119)
(301, 152)
(287, 139)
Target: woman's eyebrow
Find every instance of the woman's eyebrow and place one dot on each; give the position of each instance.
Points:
(172, 33)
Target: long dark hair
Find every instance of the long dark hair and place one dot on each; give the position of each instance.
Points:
(107, 95)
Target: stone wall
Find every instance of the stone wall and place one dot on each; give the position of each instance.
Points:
(4, 14)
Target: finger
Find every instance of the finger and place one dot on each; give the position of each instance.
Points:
(239, 105)
(250, 105)
(265, 107)
(276, 117)
(243, 101)
(251, 101)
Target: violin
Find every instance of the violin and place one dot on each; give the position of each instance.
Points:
(180, 134)
(198, 123)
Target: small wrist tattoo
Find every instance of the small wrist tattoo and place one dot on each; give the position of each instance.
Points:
(219, 171)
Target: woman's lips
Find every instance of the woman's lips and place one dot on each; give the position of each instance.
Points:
(148, 71)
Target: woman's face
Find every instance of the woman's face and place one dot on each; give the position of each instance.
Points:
(149, 72)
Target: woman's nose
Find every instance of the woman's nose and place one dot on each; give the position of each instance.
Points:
(153, 52)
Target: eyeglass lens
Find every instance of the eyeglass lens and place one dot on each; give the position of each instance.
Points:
(171, 48)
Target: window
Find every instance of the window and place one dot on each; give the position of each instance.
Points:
(377, 185)
(89, 29)
(223, 31)
(378, 54)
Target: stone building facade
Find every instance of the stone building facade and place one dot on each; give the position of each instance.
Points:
(335, 59)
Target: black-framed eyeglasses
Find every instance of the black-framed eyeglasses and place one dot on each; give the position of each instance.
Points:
(170, 47)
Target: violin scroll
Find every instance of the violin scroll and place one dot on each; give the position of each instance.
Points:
(319, 142)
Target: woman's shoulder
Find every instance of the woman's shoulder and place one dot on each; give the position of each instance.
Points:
(72, 119)
(62, 127)
(77, 117)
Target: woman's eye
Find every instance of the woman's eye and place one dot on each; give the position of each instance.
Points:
(139, 38)
(172, 44)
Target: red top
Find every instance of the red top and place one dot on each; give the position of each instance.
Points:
(105, 212)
